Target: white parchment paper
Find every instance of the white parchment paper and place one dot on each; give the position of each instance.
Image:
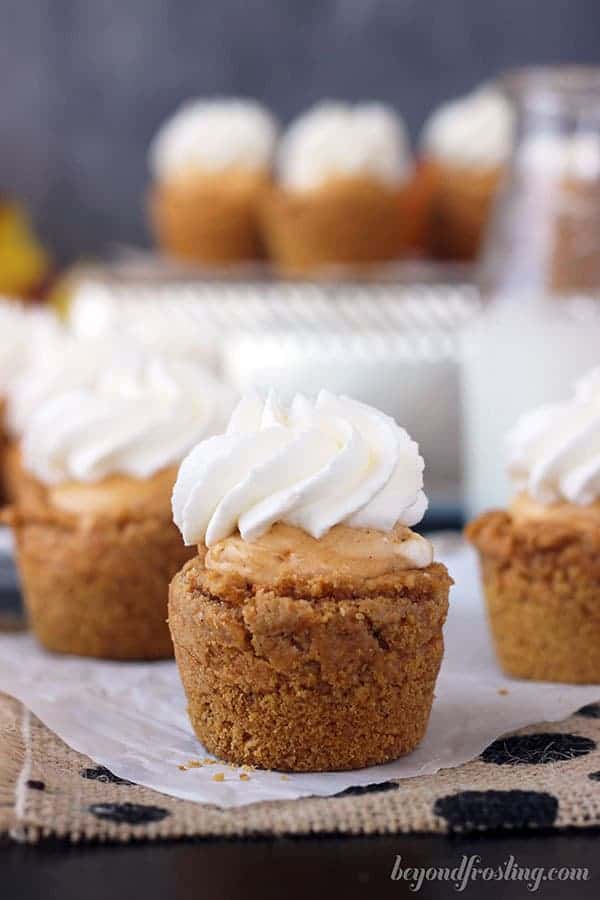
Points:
(130, 717)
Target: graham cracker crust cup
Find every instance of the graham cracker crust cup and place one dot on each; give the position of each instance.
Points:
(96, 585)
(542, 589)
(348, 221)
(211, 219)
(461, 204)
(309, 676)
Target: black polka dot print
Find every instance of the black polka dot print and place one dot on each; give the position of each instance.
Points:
(100, 773)
(471, 810)
(35, 785)
(537, 749)
(357, 790)
(129, 813)
(591, 711)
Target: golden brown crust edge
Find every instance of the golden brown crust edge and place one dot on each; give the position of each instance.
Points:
(305, 683)
(542, 588)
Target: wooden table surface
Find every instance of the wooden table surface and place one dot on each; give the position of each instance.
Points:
(286, 869)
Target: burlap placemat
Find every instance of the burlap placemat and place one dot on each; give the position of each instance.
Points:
(544, 776)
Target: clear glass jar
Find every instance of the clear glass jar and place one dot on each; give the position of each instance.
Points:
(539, 271)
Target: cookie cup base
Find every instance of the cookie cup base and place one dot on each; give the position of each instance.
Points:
(300, 683)
(99, 591)
(542, 590)
(210, 219)
(355, 222)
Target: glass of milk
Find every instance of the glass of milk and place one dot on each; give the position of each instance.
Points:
(539, 328)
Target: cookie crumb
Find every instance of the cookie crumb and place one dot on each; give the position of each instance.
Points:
(244, 777)
(218, 776)
(182, 768)
(503, 692)
(285, 777)
(194, 763)
(208, 761)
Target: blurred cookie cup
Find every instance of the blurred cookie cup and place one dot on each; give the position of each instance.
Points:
(95, 544)
(308, 628)
(540, 559)
(342, 196)
(464, 148)
(211, 164)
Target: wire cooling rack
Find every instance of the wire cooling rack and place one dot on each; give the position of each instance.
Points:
(217, 308)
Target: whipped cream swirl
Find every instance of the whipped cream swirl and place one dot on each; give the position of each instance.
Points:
(554, 451)
(212, 135)
(24, 334)
(315, 465)
(138, 417)
(62, 363)
(334, 139)
(476, 130)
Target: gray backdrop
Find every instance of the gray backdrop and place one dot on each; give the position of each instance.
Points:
(85, 82)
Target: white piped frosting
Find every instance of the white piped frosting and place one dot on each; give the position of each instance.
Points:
(336, 139)
(554, 451)
(213, 135)
(61, 364)
(312, 466)
(138, 417)
(475, 130)
(24, 333)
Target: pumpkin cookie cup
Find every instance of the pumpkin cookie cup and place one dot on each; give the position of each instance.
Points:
(343, 195)
(211, 162)
(310, 670)
(92, 480)
(541, 578)
(541, 559)
(308, 629)
(465, 145)
(95, 562)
